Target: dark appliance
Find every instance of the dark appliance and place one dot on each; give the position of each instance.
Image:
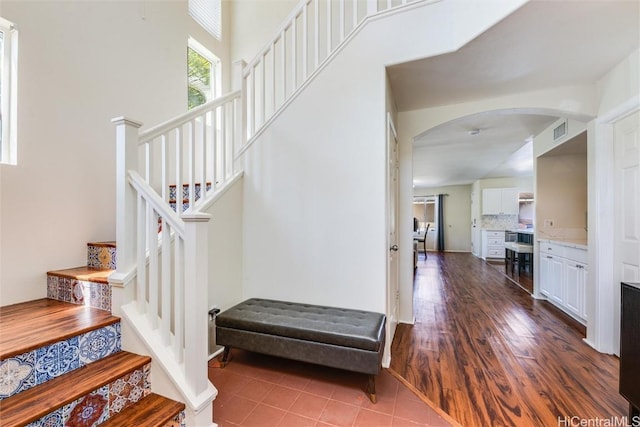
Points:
(630, 348)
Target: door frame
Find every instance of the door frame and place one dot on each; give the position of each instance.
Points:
(393, 261)
(601, 282)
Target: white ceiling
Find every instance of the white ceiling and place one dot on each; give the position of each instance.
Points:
(544, 44)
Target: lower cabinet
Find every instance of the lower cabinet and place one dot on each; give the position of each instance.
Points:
(563, 281)
(575, 278)
(492, 244)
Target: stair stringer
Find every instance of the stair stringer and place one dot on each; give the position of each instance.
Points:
(310, 170)
(140, 337)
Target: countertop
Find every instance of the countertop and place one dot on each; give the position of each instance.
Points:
(521, 230)
(578, 244)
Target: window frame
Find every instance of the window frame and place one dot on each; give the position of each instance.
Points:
(9, 94)
(215, 82)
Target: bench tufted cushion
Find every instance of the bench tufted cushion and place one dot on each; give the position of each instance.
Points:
(328, 325)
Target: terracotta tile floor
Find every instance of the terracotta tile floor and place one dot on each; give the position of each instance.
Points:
(259, 390)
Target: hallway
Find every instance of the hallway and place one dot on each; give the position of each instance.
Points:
(488, 354)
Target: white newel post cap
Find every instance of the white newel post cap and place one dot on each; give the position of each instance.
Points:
(122, 120)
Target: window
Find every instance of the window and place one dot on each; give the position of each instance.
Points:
(8, 91)
(203, 74)
(208, 13)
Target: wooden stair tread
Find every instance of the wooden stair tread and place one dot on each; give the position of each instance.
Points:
(154, 410)
(33, 324)
(34, 403)
(87, 274)
(108, 244)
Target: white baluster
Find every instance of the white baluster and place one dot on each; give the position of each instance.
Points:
(263, 91)
(273, 78)
(141, 272)
(178, 166)
(178, 299)
(355, 14)
(329, 27)
(283, 63)
(241, 123)
(164, 168)
(252, 102)
(223, 145)
(204, 125)
(305, 42)
(342, 21)
(165, 293)
(294, 55)
(316, 34)
(192, 163)
(152, 244)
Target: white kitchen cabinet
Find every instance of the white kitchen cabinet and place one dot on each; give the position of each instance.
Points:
(563, 278)
(550, 271)
(575, 278)
(584, 275)
(492, 244)
(556, 275)
(544, 272)
(500, 201)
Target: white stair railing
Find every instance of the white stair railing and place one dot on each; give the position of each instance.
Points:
(312, 33)
(162, 247)
(193, 151)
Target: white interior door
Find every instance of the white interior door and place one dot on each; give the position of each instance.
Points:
(475, 225)
(627, 209)
(393, 291)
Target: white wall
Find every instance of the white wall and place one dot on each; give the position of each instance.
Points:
(561, 197)
(254, 23)
(524, 184)
(620, 84)
(457, 215)
(310, 172)
(81, 63)
(225, 255)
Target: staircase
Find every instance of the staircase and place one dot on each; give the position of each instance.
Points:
(61, 357)
(166, 244)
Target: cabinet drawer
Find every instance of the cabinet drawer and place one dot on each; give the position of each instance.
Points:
(575, 254)
(492, 241)
(552, 248)
(495, 253)
(499, 234)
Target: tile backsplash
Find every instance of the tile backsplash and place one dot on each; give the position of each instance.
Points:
(499, 222)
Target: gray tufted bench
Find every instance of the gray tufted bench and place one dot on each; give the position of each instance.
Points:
(340, 338)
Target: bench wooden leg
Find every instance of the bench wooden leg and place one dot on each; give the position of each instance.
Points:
(225, 356)
(371, 388)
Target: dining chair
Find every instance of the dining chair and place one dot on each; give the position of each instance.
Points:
(423, 240)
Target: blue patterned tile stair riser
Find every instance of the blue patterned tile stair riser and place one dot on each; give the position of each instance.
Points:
(99, 405)
(101, 256)
(35, 367)
(93, 294)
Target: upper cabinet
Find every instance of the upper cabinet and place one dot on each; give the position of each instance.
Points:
(500, 201)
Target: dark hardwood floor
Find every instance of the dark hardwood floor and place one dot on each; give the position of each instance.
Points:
(488, 354)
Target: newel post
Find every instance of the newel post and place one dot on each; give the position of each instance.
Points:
(126, 160)
(196, 299)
